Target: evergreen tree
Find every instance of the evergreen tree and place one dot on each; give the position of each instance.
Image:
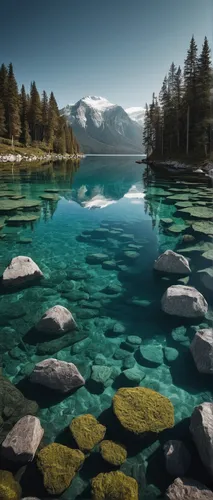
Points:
(203, 97)
(4, 97)
(190, 94)
(147, 131)
(14, 125)
(35, 115)
(68, 140)
(44, 105)
(53, 120)
(25, 135)
(2, 120)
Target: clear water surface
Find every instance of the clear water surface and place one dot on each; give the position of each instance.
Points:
(109, 302)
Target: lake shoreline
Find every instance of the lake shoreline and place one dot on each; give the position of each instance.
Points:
(18, 158)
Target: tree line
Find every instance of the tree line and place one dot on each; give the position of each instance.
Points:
(31, 119)
(179, 122)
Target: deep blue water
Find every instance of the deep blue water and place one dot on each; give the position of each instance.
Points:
(117, 194)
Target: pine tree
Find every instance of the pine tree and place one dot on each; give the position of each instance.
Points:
(2, 120)
(35, 115)
(178, 103)
(14, 125)
(190, 93)
(68, 140)
(53, 120)
(203, 97)
(4, 97)
(44, 106)
(25, 134)
(147, 131)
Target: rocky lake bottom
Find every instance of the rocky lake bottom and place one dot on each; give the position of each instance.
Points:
(95, 231)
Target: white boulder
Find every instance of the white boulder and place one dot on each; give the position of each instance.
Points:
(172, 262)
(56, 321)
(184, 301)
(21, 270)
(21, 443)
(58, 375)
(201, 427)
(202, 350)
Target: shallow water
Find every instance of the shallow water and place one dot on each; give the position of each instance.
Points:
(120, 196)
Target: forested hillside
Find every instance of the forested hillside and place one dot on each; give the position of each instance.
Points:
(31, 119)
(179, 121)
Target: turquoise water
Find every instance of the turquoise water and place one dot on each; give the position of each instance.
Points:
(108, 304)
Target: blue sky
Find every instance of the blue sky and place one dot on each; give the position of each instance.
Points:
(119, 49)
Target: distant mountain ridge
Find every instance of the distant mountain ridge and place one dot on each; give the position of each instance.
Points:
(103, 127)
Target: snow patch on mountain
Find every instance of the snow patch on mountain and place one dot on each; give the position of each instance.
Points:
(136, 113)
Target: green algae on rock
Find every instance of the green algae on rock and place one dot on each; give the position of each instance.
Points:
(113, 453)
(58, 465)
(10, 489)
(17, 220)
(49, 197)
(142, 410)
(114, 486)
(87, 431)
(200, 212)
(205, 227)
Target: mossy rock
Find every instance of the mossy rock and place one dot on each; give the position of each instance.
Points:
(29, 204)
(183, 204)
(9, 488)
(177, 228)
(178, 197)
(205, 227)
(113, 453)
(17, 197)
(21, 219)
(208, 255)
(114, 486)
(141, 410)
(49, 197)
(87, 431)
(166, 221)
(200, 212)
(8, 206)
(58, 465)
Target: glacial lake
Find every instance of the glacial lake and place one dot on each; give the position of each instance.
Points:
(141, 216)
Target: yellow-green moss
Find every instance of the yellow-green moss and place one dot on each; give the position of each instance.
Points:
(87, 431)
(113, 453)
(141, 410)
(114, 486)
(58, 465)
(9, 488)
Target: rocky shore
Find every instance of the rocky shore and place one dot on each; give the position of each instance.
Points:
(18, 158)
(202, 168)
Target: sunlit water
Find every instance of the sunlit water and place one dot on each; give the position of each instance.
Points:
(116, 194)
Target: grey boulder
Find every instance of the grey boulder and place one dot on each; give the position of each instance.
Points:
(201, 427)
(188, 489)
(56, 321)
(21, 443)
(21, 270)
(177, 458)
(202, 350)
(58, 375)
(172, 262)
(184, 301)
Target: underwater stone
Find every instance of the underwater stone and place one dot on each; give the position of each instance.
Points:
(80, 346)
(75, 295)
(118, 328)
(166, 221)
(131, 255)
(114, 485)
(96, 258)
(179, 334)
(58, 375)
(205, 227)
(201, 429)
(21, 443)
(126, 237)
(101, 374)
(100, 233)
(56, 321)
(134, 375)
(170, 353)
(129, 362)
(188, 238)
(152, 353)
(177, 458)
(184, 301)
(202, 350)
(100, 359)
(53, 346)
(200, 212)
(58, 465)
(10, 489)
(208, 255)
(113, 453)
(188, 489)
(113, 289)
(133, 339)
(120, 354)
(21, 270)
(207, 277)
(172, 262)
(76, 274)
(109, 265)
(141, 410)
(21, 219)
(87, 431)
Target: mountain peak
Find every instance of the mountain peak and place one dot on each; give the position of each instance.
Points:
(97, 102)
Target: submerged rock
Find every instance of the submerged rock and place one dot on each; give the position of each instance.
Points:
(56, 321)
(185, 301)
(170, 353)
(152, 353)
(10, 489)
(96, 258)
(133, 375)
(87, 431)
(58, 465)
(202, 350)
(207, 277)
(201, 427)
(142, 410)
(113, 453)
(114, 485)
(172, 262)
(101, 374)
(21, 443)
(188, 489)
(134, 340)
(177, 458)
(20, 271)
(58, 375)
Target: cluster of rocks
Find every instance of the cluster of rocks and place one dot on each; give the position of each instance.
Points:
(17, 158)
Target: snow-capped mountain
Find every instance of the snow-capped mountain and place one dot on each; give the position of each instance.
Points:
(137, 114)
(103, 127)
